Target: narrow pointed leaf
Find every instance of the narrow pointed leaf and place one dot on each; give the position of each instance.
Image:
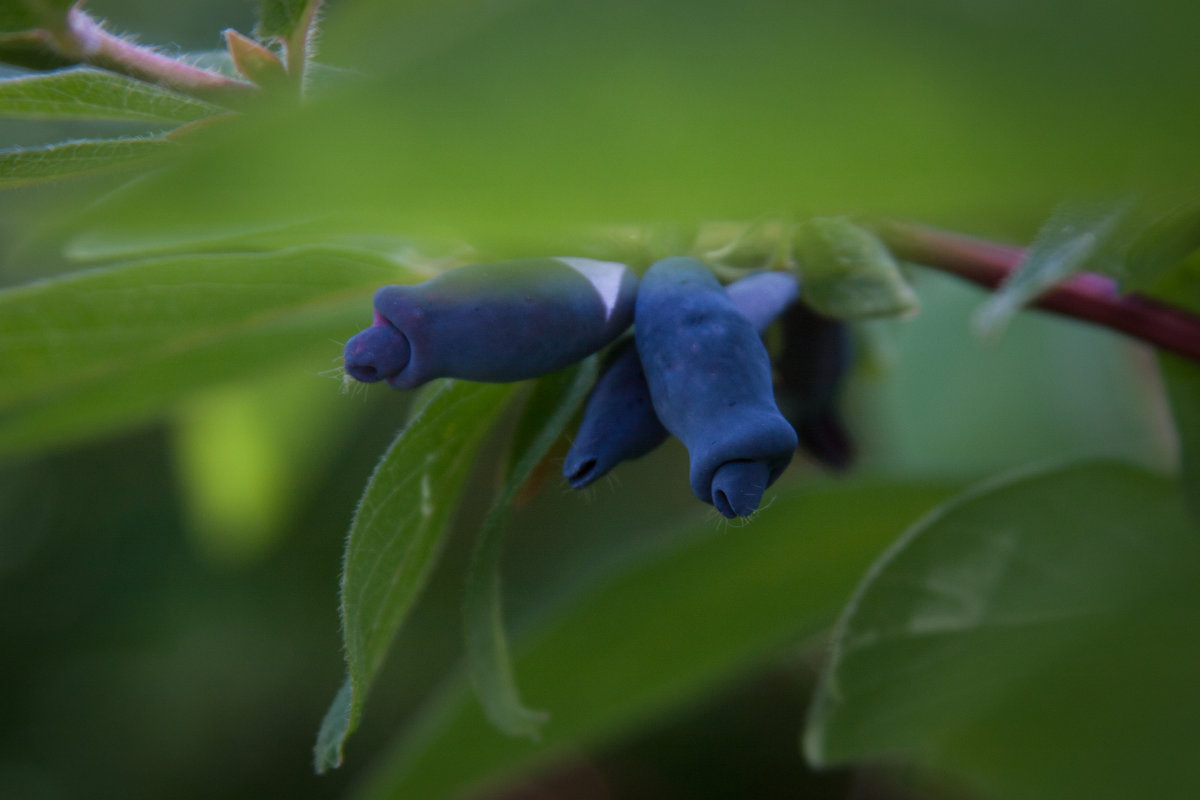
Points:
(93, 350)
(699, 613)
(255, 61)
(1077, 237)
(28, 165)
(93, 94)
(282, 19)
(397, 535)
(554, 402)
(327, 753)
(979, 642)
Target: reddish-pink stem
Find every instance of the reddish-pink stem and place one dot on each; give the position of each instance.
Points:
(1089, 297)
(84, 39)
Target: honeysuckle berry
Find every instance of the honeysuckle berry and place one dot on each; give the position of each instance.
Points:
(811, 368)
(494, 322)
(710, 383)
(619, 423)
(763, 296)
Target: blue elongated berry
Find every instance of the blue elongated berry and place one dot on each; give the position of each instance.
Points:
(494, 322)
(710, 381)
(763, 296)
(619, 423)
(811, 368)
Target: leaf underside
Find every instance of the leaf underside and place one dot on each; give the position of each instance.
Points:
(546, 415)
(397, 535)
(30, 165)
(698, 614)
(979, 641)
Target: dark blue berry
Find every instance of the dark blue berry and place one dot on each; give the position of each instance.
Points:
(494, 322)
(710, 382)
(619, 423)
(811, 368)
(763, 296)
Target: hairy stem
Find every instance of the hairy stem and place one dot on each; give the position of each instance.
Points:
(1089, 297)
(85, 39)
(298, 44)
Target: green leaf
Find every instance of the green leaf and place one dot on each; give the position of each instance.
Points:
(93, 94)
(1182, 379)
(284, 19)
(996, 626)
(1077, 237)
(93, 350)
(297, 233)
(397, 536)
(658, 633)
(848, 273)
(554, 402)
(26, 165)
(21, 15)
(957, 134)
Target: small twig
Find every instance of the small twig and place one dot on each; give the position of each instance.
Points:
(1089, 297)
(84, 39)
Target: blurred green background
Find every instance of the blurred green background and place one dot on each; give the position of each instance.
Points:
(168, 585)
